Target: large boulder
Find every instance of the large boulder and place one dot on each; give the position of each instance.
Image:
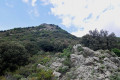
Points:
(88, 52)
(56, 74)
(77, 59)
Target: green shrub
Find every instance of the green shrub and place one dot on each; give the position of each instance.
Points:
(116, 51)
(63, 69)
(67, 62)
(17, 76)
(2, 78)
(45, 60)
(80, 49)
(115, 77)
(66, 52)
(12, 56)
(45, 74)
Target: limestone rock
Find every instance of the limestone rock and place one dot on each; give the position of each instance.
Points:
(56, 65)
(77, 59)
(40, 66)
(56, 74)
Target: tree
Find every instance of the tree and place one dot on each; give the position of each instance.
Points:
(12, 55)
(99, 40)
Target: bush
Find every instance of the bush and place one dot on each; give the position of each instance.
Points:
(46, 46)
(63, 69)
(45, 60)
(116, 51)
(45, 75)
(67, 62)
(31, 48)
(17, 76)
(12, 56)
(115, 77)
(79, 48)
(66, 52)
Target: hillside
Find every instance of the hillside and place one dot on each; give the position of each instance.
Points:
(47, 52)
(37, 35)
(75, 63)
(36, 32)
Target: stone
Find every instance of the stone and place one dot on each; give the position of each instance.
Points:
(56, 65)
(40, 66)
(110, 65)
(96, 58)
(56, 74)
(101, 76)
(115, 60)
(107, 73)
(89, 61)
(88, 52)
(107, 79)
(77, 59)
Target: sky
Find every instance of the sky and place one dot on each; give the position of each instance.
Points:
(75, 16)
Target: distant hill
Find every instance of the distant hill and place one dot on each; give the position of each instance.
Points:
(44, 33)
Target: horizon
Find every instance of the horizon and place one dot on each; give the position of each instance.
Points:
(77, 19)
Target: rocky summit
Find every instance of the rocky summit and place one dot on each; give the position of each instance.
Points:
(87, 64)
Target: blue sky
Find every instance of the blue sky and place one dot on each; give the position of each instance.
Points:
(75, 16)
(15, 13)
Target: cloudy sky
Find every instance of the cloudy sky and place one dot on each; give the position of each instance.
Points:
(75, 16)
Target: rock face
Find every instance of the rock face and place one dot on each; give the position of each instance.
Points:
(90, 65)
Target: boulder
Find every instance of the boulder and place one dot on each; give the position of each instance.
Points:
(77, 59)
(56, 74)
(89, 61)
(56, 65)
(88, 52)
(40, 66)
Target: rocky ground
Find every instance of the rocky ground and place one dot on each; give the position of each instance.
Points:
(87, 64)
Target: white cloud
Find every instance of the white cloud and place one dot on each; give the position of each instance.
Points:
(45, 2)
(25, 1)
(33, 2)
(89, 14)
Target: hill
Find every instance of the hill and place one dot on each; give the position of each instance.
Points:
(42, 35)
(74, 63)
(47, 52)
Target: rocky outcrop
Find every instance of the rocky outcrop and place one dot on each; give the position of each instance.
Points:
(91, 65)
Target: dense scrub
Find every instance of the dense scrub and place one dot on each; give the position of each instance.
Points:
(12, 56)
(100, 40)
(31, 46)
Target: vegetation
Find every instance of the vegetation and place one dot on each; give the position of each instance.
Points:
(100, 40)
(115, 77)
(116, 51)
(45, 75)
(12, 56)
(22, 49)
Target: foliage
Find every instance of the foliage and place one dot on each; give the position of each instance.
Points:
(99, 40)
(116, 51)
(45, 74)
(115, 77)
(45, 60)
(12, 55)
(31, 48)
(46, 45)
(63, 69)
(66, 52)
(67, 62)
(79, 48)
(48, 37)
